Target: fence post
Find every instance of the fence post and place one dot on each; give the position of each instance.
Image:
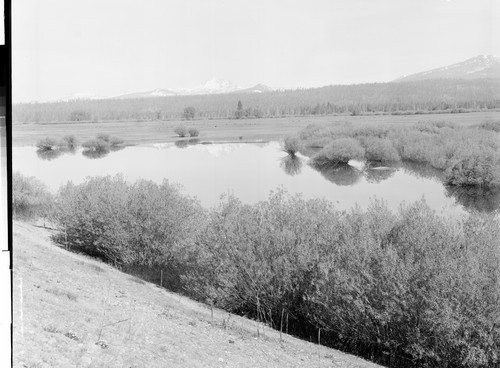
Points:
(65, 237)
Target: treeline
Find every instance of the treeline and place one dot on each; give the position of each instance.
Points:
(376, 98)
(408, 289)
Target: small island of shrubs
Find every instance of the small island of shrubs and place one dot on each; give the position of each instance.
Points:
(468, 156)
(50, 148)
(183, 131)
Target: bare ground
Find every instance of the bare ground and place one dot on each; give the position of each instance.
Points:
(74, 311)
(134, 132)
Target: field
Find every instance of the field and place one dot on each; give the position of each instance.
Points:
(71, 310)
(144, 132)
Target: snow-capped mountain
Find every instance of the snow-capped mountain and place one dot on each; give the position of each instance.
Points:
(258, 88)
(210, 87)
(482, 66)
(153, 93)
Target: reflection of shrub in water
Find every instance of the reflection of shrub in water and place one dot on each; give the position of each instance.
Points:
(292, 165)
(379, 174)
(48, 155)
(181, 143)
(95, 154)
(339, 174)
(423, 170)
(53, 154)
(186, 142)
(478, 199)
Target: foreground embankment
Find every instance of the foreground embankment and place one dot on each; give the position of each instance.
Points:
(71, 310)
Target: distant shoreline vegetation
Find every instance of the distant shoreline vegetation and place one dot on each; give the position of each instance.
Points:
(406, 288)
(50, 148)
(422, 97)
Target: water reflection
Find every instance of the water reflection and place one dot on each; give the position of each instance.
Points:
(101, 153)
(479, 199)
(186, 142)
(379, 174)
(339, 174)
(50, 155)
(250, 171)
(291, 164)
(422, 170)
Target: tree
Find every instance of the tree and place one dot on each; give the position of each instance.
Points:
(189, 113)
(239, 110)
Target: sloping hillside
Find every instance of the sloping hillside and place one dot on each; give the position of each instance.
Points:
(479, 67)
(73, 311)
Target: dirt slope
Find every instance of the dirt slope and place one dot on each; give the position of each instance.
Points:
(73, 311)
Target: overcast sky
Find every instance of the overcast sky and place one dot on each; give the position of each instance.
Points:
(109, 47)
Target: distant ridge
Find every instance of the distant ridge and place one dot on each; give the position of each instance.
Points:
(482, 66)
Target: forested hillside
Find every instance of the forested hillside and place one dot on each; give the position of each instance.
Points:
(452, 95)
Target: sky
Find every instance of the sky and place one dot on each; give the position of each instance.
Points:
(111, 47)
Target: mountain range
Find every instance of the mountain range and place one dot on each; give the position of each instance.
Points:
(211, 87)
(479, 67)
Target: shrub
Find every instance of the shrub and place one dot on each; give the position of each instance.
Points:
(193, 132)
(115, 141)
(490, 125)
(109, 140)
(475, 167)
(103, 136)
(291, 145)
(47, 144)
(96, 145)
(379, 149)
(340, 151)
(70, 141)
(406, 289)
(30, 198)
(181, 131)
(140, 225)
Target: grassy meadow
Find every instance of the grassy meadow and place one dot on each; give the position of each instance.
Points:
(144, 132)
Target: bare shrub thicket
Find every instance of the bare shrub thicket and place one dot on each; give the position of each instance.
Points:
(406, 288)
(30, 198)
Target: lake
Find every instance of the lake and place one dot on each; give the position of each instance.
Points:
(250, 171)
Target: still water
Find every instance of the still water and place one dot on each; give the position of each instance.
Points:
(250, 172)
